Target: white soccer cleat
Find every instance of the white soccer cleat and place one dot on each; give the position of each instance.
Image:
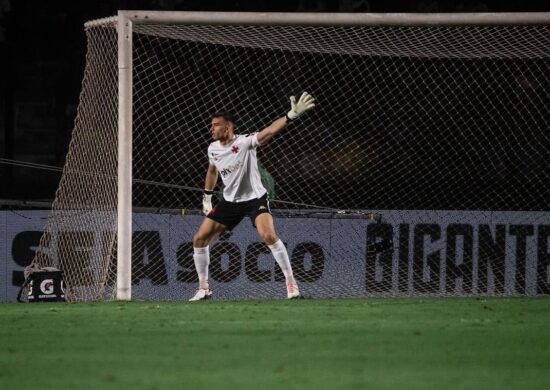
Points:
(292, 290)
(201, 294)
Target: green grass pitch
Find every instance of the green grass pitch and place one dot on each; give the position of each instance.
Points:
(497, 343)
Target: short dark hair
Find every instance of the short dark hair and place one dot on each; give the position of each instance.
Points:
(226, 115)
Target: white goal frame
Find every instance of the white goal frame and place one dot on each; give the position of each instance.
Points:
(126, 19)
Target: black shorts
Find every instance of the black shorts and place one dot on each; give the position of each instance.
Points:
(231, 213)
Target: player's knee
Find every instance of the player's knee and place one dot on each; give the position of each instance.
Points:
(269, 238)
(200, 241)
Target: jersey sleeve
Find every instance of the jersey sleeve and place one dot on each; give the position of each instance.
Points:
(251, 140)
(210, 156)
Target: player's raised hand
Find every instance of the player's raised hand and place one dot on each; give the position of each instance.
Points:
(305, 103)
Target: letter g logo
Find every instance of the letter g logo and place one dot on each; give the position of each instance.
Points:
(47, 286)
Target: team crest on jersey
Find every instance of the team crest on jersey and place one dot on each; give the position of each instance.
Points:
(235, 149)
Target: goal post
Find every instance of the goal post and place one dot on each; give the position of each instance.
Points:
(420, 171)
(124, 211)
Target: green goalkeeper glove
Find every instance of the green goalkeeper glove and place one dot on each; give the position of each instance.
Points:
(304, 104)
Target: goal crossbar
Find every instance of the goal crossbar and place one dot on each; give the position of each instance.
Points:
(336, 19)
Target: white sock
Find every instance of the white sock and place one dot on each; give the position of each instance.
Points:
(202, 260)
(281, 256)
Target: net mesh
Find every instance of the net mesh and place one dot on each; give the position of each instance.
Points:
(421, 171)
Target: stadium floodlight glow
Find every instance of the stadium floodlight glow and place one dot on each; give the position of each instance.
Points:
(427, 127)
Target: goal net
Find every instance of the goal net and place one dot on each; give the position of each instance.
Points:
(422, 169)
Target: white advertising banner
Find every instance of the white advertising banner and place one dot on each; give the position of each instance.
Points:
(408, 253)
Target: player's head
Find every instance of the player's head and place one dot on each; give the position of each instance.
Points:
(223, 125)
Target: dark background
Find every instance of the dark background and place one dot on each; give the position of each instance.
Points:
(42, 46)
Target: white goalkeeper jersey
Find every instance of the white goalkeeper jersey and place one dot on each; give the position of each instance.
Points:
(238, 166)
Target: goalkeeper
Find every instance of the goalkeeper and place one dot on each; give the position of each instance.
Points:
(234, 158)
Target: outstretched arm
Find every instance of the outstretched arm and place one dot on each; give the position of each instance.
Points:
(271, 130)
(209, 184)
(304, 104)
